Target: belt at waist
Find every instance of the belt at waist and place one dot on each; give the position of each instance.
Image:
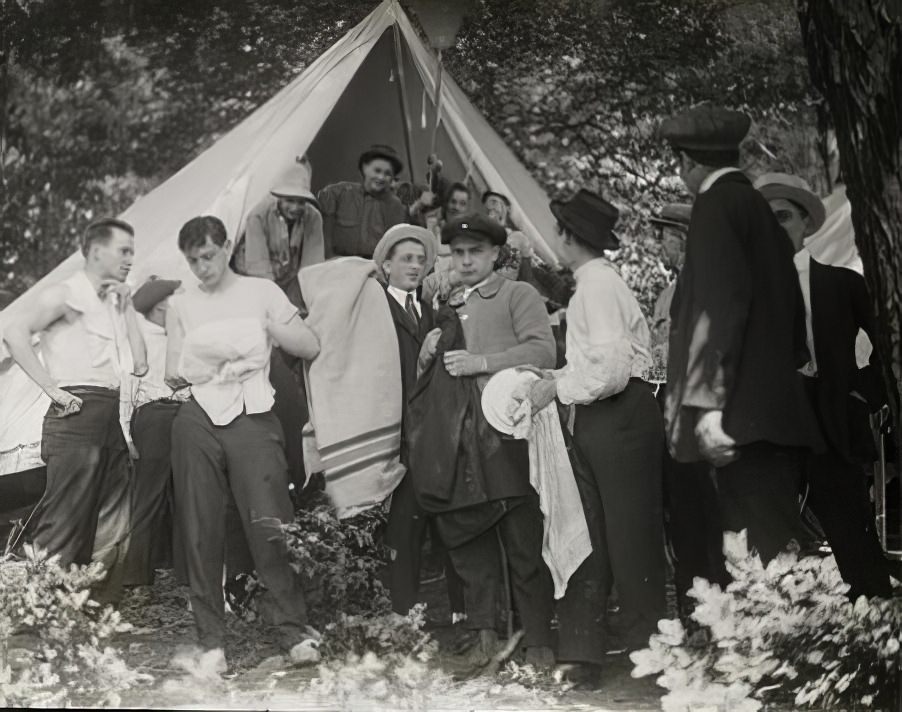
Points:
(641, 382)
(100, 391)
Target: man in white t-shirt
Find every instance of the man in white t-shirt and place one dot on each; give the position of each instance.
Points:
(225, 439)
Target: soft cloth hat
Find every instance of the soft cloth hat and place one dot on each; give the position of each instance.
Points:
(295, 183)
(399, 233)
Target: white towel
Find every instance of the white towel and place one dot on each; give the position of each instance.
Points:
(566, 542)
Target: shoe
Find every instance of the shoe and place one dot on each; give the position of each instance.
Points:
(541, 657)
(580, 676)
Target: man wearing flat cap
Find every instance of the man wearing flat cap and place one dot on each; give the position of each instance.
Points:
(690, 497)
(284, 233)
(843, 390)
(156, 405)
(734, 396)
(618, 428)
(473, 481)
(357, 214)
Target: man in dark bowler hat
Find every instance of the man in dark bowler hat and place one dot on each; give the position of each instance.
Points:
(473, 481)
(735, 398)
(690, 497)
(357, 214)
(843, 389)
(618, 428)
(404, 255)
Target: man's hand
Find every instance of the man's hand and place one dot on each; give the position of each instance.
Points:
(430, 343)
(122, 291)
(65, 400)
(463, 363)
(715, 445)
(542, 394)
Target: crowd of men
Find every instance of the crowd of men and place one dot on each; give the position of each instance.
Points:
(764, 395)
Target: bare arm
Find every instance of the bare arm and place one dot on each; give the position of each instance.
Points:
(135, 341)
(295, 337)
(50, 307)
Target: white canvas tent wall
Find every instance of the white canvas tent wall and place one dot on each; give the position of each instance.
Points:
(346, 100)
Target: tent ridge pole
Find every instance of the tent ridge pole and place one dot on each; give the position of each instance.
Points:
(402, 100)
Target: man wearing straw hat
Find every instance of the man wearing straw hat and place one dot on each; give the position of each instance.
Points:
(404, 255)
(843, 390)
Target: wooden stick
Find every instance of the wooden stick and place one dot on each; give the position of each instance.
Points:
(402, 100)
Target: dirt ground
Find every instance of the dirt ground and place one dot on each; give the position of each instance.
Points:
(163, 627)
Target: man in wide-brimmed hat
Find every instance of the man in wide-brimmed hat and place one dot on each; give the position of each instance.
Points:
(843, 389)
(284, 233)
(475, 483)
(618, 427)
(734, 396)
(357, 214)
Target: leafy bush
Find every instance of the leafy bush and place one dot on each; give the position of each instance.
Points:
(40, 599)
(781, 633)
(339, 561)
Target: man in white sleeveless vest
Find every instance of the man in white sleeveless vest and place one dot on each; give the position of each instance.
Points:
(90, 341)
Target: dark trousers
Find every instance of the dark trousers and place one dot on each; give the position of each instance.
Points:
(759, 492)
(150, 547)
(290, 407)
(245, 458)
(693, 526)
(622, 441)
(84, 511)
(479, 565)
(404, 535)
(838, 497)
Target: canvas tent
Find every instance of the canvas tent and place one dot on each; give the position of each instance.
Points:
(343, 102)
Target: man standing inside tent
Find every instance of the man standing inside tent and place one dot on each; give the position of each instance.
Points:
(284, 233)
(476, 483)
(734, 396)
(90, 340)
(225, 439)
(356, 215)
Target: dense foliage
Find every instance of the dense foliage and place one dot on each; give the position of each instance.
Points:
(785, 632)
(102, 102)
(54, 640)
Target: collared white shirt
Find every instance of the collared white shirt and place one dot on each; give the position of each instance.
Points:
(608, 340)
(712, 177)
(400, 296)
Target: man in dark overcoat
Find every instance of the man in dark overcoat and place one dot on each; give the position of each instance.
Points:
(735, 397)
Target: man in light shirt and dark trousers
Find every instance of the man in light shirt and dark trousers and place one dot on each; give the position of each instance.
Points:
(617, 428)
(225, 440)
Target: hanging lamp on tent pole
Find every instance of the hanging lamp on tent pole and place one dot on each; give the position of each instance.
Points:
(441, 21)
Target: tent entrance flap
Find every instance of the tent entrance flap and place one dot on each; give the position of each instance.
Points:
(368, 112)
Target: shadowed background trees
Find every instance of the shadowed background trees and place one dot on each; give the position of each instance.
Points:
(102, 101)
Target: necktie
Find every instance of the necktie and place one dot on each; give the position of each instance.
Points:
(411, 309)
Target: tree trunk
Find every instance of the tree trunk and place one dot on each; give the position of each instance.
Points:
(855, 59)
